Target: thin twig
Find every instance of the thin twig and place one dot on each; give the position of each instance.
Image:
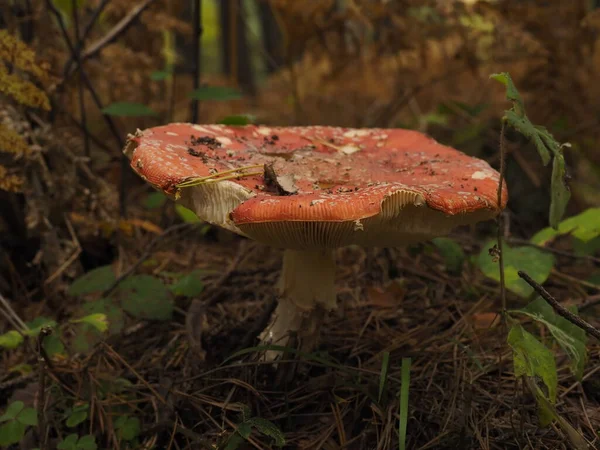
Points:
(96, 99)
(43, 361)
(500, 235)
(589, 302)
(10, 315)
(149, 248)
(86, 33)
(108, 119)
(79, 44)
(197, 21)
(117, 30)
(560, 309)
(133, 371)
(553, 250)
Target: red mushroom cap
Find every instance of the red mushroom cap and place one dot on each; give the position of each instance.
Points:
(334, 175)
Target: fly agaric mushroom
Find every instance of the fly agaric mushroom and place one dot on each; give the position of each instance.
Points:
(310, 190)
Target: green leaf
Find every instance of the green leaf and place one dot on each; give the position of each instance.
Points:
(532, 358)
(452, 253)
(87, 442)
(512, 94)
(12, 411)
(53, 344)
(78, 415)
(244, 429)
(218, 93)
(11, 432)
(22, 369)
(403, 400)
(113, 313)
(129, 428)
(544, 143)
(28, 417)
(11, 339)
(96, 280)
(68, 443)
(35, 326)
(537, 263)
(96, 320)
(160, 75)
(66, 6)
(434, 118)
(234, 441)
(187, 215)
(589, 248)
(524, 126)
(128, 109)
(190, 285)
(145, 297)
(570, 337)
(584, 226)
(155, 200)
(560, 192)
(267, 428)
(238, 120)
(385, 365)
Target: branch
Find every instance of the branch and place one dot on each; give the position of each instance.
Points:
(98, 102)
(43, 362)
(560, 309)
(88, 29)
(147, 252)
(116, 31)
(197, 21)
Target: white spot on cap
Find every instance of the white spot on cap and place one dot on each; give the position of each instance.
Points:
(481, 175)
(356, 133)
(170, 133)
(264, 131)
(223, 140)
(204, 130)
(349, 149)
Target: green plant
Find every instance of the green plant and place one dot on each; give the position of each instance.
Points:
(128, 427)
(403, 399)
(140, 296)
(74, 442)
(15, 421)
(532, 359)
(247, 425)
(547, 147)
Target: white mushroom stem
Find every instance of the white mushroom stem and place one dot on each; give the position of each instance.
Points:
(307, 291)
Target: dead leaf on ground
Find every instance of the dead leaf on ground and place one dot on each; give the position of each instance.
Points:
(481, 321)
(389, 296)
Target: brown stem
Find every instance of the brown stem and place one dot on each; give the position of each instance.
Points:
(560, 309)
(500, 236)
(197, 21)
(82, 114)
(43, 362)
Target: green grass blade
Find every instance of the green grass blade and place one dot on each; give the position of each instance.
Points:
(385, 364)
(404, 389)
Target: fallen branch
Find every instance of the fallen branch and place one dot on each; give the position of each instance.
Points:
(560, 309)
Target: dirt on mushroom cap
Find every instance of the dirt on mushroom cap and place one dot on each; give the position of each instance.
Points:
(339, 166)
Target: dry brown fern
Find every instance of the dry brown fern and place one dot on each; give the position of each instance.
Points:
(17, 61)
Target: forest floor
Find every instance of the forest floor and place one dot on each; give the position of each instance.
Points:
(190, 389)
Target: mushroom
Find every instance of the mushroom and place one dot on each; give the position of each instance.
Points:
(310, 190)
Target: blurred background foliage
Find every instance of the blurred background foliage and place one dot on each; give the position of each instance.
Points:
(415, 64)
